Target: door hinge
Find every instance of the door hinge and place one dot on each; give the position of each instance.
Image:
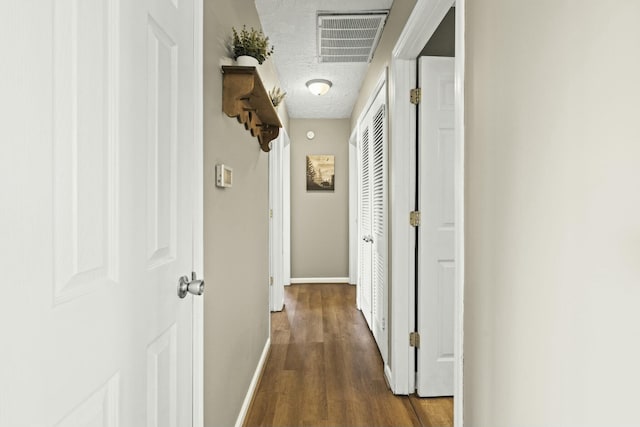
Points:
(414, 218)
(415, 96)
(270, 280)
(270, 213)
(414, 339)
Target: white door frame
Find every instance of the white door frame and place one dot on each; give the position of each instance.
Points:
(353, 208)
(198, 213)
(420, 26)
(286, 207)
(279, 230)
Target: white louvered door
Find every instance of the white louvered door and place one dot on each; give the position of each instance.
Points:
(365, 225)
(373, 218)
(379, 214)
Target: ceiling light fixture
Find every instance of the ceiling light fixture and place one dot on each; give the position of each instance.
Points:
(319, 86)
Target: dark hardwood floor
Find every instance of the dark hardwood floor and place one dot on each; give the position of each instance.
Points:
(324, 369)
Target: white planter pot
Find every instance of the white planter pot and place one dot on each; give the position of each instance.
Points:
(247, 61)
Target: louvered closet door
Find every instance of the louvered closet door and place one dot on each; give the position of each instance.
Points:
(373, 218)
(379, 205)
(365, 225)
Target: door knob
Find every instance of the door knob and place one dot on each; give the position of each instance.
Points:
(193, 286)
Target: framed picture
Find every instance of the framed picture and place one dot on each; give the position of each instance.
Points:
(321, 172)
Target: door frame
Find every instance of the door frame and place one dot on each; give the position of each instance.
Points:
(279, 229)
(353, 209)
(420, 26)
(198, 212)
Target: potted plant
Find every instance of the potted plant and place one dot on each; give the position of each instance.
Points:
(251, 43)
(276, 95)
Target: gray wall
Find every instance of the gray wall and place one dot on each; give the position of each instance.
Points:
(236, 230)
(319, 219)
(552, 214)
(443, 40)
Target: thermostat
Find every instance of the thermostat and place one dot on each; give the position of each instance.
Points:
(311, 134)
(224, 176)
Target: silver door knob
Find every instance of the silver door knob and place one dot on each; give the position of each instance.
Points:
(193, 286)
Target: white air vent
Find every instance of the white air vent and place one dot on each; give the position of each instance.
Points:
(349, 37)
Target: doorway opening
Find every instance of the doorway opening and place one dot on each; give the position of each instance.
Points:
(423, 35)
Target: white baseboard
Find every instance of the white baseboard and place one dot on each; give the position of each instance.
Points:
(253, 385)
(389, 376)
(299, 280)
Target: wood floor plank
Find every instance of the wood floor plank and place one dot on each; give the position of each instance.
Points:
(324, 369)
(434, 411)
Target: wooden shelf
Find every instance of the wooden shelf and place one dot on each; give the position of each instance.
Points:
(245, 98)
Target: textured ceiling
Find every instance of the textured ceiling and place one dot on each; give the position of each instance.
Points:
(291, 27)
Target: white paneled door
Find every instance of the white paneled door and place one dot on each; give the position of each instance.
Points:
(437, 262)
(98, 203)
(373, 258)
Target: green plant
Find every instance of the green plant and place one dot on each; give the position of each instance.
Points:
(276, 96)
(252, 43)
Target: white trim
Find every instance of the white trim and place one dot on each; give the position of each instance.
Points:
(314, 280)
(353, 207)
(388, 374)
(276, 260)
(279, 222)
(382, 80)
(459, 170)
(423, 21)
(198, 216)
(286, 208)
(402, 183)
(253, 385)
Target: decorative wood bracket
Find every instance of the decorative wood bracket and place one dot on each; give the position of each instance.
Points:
(245, 98)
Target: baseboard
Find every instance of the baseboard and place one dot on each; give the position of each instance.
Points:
(299, 280)
(253, 385)
(389, 376)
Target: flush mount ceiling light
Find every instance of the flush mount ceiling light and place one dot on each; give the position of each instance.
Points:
(319, 86)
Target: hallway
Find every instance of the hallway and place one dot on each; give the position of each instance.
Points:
(324, 369)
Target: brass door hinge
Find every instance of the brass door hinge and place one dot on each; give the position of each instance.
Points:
(414, 218)
(414, 339)
(415, 96)
(270, 213)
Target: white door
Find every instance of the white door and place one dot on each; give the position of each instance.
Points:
(437, 264)
(365, 252)
(373, 213)
(379, 223)
(97, 204)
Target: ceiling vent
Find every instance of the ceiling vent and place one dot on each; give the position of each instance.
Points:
(349, 37)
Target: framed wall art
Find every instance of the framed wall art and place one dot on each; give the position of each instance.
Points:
(320, 172)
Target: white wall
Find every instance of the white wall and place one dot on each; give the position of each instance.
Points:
(553, 213)
(319, 219)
